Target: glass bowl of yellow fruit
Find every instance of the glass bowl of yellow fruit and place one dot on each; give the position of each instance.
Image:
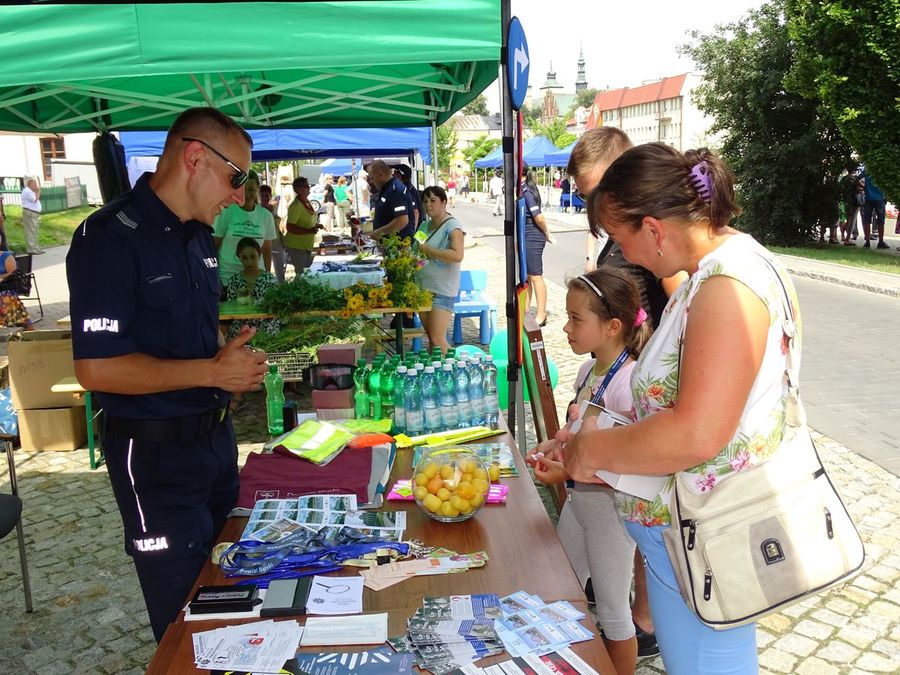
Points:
(451, 484)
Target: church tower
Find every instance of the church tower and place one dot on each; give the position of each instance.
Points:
(581, 80)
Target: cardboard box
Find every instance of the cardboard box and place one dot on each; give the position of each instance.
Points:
(37, 360)
(347, 354)
(53, 429)
(325, 399)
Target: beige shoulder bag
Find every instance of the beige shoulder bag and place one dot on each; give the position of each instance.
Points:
(766, 537)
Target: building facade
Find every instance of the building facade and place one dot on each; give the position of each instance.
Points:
(659, 111)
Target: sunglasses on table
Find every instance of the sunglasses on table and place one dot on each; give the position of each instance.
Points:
(238, 178)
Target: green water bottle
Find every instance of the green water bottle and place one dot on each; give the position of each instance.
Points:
(274, 401)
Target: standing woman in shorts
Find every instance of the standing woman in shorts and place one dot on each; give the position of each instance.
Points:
(536, 236)
(442, 241)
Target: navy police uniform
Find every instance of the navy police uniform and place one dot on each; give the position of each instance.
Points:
(534, 238)
(393, 201)
(141, 281)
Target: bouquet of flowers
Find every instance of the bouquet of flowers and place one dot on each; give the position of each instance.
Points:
(401, 263)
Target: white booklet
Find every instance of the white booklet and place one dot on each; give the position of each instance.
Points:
(360, 629)
(645, 487)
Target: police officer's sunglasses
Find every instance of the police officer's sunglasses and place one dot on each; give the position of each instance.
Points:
(239, 177)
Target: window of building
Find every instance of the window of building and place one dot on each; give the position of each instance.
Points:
(51, 148)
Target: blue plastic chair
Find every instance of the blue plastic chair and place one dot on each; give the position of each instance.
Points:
(473, 301)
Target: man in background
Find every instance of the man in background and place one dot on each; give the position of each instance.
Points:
(31, 215)
(393, 212)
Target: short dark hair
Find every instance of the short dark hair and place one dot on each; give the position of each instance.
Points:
(300, 180)
(247, 242)
(205, 123)
(265, 188)
(435, 190)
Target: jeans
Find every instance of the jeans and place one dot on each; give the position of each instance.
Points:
(687, 645)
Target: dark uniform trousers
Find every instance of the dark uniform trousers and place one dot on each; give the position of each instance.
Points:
(174, 498)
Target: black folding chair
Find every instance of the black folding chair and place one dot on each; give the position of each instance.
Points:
(11, 517)
(23, 263)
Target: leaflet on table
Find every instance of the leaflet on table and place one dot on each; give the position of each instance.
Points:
(378, 661)
(275, 519)
(529, 626)
(335, 595)
(645, 487)
(562, 661)
(478, 606)
(260, 646)
(359, 629)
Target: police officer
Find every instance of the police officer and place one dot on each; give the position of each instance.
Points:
(394, 207)
(536, 236)
(403, 173)
(144, 293)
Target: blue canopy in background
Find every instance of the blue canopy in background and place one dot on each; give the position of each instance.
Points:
(560, 157)
(533, 152)
(286, 144)
(339, 167)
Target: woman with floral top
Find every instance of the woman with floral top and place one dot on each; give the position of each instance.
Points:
(709, 387)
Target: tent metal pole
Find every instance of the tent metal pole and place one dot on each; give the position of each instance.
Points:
(434, 154)
(509, 216)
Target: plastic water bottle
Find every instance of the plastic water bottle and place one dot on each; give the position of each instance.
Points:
(451, 353)
(274, 401)
(420, 367)
(430, 400)
(463, 409)
(399, 402)
(436, 364)
(436, 354)
(447, 395)
(375, 388)
(476, 391)
(412, 401)
(360, 389)
(491, 402)
(387, 389)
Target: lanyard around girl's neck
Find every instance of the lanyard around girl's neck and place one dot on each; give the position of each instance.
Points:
(598, 395)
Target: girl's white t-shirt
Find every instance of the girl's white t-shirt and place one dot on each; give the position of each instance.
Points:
(617, 397)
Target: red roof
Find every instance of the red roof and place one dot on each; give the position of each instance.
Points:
(668, 87)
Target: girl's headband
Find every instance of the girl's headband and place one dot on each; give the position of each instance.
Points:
(641, 314)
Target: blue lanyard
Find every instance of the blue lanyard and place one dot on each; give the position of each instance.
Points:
(598, 395)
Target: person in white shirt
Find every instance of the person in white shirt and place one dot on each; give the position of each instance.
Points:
(495, 191)
(236, 222)
(31, 215)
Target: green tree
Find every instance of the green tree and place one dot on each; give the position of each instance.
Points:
(565, 140)
(478, 148)
(477, 106)
(554, 130)
(446, 146)
(583, 99)
(784, 149)
(848, 57)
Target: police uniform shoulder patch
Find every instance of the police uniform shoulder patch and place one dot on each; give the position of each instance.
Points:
(125, 220)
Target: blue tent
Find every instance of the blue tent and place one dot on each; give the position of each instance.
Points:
(533, 152)
(339, 167)
(560, 157)
(271, 144)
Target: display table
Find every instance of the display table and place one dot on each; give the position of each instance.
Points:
(525, 554)
(232, 311)
(345, 279)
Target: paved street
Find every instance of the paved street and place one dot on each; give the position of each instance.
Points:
(89, 614)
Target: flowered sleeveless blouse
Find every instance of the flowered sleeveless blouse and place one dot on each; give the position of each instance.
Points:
(654, 380)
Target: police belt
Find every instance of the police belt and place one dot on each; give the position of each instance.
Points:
(170, 430)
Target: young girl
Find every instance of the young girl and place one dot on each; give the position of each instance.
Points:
(252, 283)
(605, 319)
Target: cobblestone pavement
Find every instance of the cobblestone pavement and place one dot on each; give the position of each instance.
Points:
(89, 614)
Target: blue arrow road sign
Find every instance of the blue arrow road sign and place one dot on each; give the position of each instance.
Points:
(517, 63)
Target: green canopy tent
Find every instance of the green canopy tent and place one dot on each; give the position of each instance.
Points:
(70, 67)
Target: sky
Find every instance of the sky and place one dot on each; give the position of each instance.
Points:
(625, 42)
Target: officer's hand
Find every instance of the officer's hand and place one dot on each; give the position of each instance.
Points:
(238, 367)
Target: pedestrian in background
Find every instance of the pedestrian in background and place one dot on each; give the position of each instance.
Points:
(495, 192)
(31, 215)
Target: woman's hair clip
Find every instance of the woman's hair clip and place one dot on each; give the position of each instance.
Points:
(701, 180)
